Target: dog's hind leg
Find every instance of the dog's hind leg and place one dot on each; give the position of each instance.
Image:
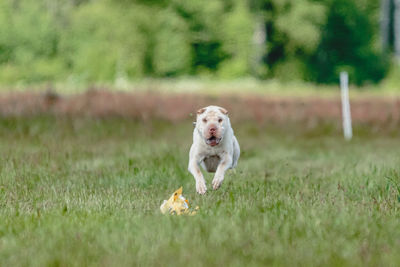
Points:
(236, 152)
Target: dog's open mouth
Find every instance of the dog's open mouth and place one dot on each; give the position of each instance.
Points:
(213, 141)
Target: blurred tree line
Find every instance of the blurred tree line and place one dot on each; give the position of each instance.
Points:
(106, 40)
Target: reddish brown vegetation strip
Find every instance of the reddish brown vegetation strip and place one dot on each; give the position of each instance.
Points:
(173, 107)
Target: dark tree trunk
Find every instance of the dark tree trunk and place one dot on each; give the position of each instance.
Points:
(396, 29)
(385, 24)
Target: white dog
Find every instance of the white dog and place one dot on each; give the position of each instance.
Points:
(214, 146)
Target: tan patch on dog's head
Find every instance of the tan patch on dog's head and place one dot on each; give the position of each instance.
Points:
(211, 114)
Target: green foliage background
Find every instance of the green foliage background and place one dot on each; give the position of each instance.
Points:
(107, 40)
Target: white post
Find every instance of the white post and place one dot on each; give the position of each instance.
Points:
(344, 89)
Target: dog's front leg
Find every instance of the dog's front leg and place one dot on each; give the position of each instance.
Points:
(225, 163)
(194, 169)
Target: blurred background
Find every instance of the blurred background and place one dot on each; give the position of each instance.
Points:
(117, 42)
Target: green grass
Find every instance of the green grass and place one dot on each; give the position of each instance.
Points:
(215, 87)
(76, 192)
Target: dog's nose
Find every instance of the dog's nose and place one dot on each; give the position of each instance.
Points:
(213, 130)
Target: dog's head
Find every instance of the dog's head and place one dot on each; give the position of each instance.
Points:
(212, 122)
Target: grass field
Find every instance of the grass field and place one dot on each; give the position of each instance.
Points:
(80, 191)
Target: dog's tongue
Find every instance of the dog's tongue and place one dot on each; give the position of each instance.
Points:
(213, 142)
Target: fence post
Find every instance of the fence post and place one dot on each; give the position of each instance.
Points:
(344, 89)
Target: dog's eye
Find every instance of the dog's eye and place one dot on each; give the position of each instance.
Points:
(204, 120)
(219, 120)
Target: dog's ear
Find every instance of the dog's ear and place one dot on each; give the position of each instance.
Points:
(201, 111)
(224, 111)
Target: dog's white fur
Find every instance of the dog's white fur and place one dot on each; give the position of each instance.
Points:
(219, 154)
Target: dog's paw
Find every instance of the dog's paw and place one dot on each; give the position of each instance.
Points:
(216, 183)
(201, 188)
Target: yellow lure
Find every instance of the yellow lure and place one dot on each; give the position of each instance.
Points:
(177, 204)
